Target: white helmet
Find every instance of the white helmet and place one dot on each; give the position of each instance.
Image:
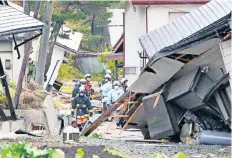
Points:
(81, 90)
(82, 81)
(123, 80)
(108, 71)
(88, 75)
(116, 83)
(108, 76)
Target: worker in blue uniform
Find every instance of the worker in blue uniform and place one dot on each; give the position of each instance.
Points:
(76, 91)
(82, 105)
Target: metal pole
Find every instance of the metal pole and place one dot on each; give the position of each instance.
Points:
(7, 92)
(116, 70)
(124, 44)
(40, 66)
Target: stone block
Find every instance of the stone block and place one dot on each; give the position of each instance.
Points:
(50, 113)
(5, 128)
(16, 125)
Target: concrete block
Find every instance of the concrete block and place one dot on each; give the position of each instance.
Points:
(71, 134)
(50, 113)
(5, 128)
(16, 125)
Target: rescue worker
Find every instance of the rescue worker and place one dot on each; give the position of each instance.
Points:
(75, 91)
(108, 72)
(105, 89)
(124, 84)
(88, 84)
(113, 96)
(81, 104)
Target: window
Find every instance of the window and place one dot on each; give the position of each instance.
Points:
(131, 70)
(7, 64)
(175, 15)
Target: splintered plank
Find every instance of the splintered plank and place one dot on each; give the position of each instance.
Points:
(105, 115)
(149, 140)
(132, 116)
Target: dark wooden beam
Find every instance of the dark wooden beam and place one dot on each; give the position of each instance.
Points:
(7, 92)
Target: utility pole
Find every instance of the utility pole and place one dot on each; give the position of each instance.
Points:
(40, 65)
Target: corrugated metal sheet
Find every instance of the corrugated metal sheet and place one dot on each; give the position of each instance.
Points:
(13, 21)
(165, 68)
(189, 27)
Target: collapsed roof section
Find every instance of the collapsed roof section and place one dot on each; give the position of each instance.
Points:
(195, 27)
(197, 30)
(14, 22)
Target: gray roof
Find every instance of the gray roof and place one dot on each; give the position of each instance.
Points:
(189, 28)
(13, 21)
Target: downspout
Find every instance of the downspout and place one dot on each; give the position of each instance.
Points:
(144, 59)
(124, 41)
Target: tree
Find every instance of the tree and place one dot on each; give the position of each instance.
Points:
(27, 51)
(77, 12)
(62, 12)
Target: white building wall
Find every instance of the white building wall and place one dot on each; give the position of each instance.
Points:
(6, 53)
(135, 26)
(116, 31)
(6, 49)
(57, 59)
(17, 63)
(158, 15)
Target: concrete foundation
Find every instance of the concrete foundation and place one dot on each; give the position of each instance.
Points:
(46, 117)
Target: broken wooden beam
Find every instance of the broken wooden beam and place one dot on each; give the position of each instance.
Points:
(7, 92)
(117, 116)
(132, 116)
(149, 140)
(180, 56)
(156, 100)
(105, 115)
(119, 113)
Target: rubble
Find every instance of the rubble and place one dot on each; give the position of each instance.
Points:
(191, 73)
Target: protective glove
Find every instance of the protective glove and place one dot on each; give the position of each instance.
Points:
(91, 114)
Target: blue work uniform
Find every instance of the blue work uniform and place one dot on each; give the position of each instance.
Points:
(82, 105)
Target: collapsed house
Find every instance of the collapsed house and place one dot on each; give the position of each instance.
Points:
(185, 88)
(190, 65)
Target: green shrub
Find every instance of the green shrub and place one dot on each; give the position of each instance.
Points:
(68, 72)
(25, 150)
(178, 155)
(96, 135)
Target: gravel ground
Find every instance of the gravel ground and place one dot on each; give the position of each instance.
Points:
(89, 151)
(135, 149)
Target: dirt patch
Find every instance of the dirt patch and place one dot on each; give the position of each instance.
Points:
(89, 151)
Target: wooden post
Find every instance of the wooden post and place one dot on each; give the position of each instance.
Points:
(119, 113)
(132, 116)
(101, 119)
(156, 100)
(7, 92)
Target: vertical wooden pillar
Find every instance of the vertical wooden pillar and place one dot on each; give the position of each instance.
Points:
(7, 92)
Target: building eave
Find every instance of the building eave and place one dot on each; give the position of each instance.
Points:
(158, 2)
